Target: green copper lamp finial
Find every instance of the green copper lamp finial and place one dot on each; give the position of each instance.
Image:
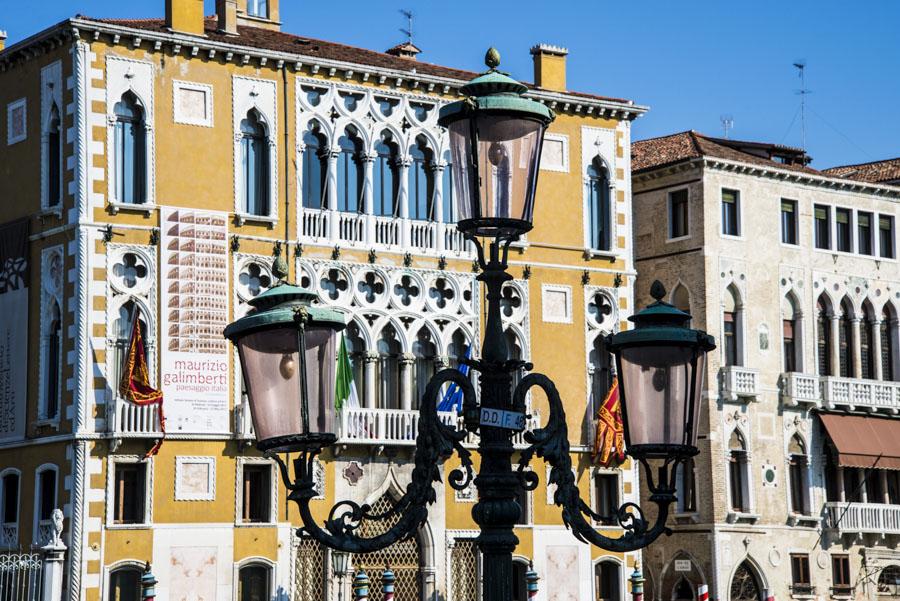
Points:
(492, 58)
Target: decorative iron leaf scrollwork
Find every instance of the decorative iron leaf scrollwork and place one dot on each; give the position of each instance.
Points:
(435, 443)
(552, 444)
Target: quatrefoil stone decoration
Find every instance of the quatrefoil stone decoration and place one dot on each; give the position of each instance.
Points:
(334, 283)
(600, 307)
(129, 269)
(254, 279)
(407, 290)
(510, 301)
(441, 292)
(371, 287)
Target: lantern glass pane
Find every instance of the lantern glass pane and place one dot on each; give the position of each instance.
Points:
(271, 366)
(508, 150)
(658, 382)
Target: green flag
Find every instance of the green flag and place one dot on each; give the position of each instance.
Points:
(345, 387)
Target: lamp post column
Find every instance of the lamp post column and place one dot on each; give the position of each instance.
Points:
(496, 511)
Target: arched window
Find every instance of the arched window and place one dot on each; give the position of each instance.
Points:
(601, 373)
(254, 582)
(745, 585)
(889, 581)
(888, 351)
(125, 584)
(823, 336)
(356, 351)
(457, 348)
(255, 165)
(683, 591)
(792, 343)
(449, 215)
(9, 508)
(846, 351)
(425, 352)
(130, 150)
(866, 339)
(681, 298)
(349, 172)
(44, 502)
(388, 369)
(738, 484)
(520, 569)
(54, 159)
(385, 182)
(314, 167)
(599, 211)
(122, 333)
(607, 581)
(732, 328)
(52, 362)
(421, 181)
(798, 466)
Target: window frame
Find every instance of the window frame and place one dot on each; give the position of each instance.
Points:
(817, 241)
(37, 521)
(841, 561)
(241, 463)
(801, 578)
(618, 488)
(127, 564)
(147, 521)
(723, 230)
(670, 212)
(118, 499)
(893, 237)
(609, 219)
(620, 580)
(850, 246)
(795, 225)
(10, 471)
(179, 117)
(259, 95)
(258, 561)
(870, 239)
(254, 14)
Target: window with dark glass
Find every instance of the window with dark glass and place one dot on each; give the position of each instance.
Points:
(130, 141)
(258, 8)
(789, 221)
(887, 345)
(130, 490)
(10, 498)
(840, 574)
(606, 497)
(843, 222)
(731, 221)
(678, 214)
(607, 581)
(886, 236)
(524, 510)
(255, 165)
(125, 585)
(257, 491)
(421, 181)
(47, 498)
(599, 210)
(737, 476)
(845, 336)
(798, 472)
(386, 184)
(253, 583)
(823, 338)
(853, 484)
(315, 167)
(800, 582)
(53, 369)
(866, 335)
(686, 487)
(893, 486)
(54, 159)
(730, 338)
(832, 488)
(872, 482)
(822, 216)
(864, 233)
(789, 349)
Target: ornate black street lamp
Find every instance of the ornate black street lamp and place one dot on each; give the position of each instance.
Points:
(495, 138)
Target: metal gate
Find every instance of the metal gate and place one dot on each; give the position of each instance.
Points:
(20, 576)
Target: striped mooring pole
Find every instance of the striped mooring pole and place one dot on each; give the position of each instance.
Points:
(387, 584)
(531, 582)
(702, 593)
(361, 586)
(148, 584)
(637, 583)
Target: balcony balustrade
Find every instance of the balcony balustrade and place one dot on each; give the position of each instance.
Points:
(797, 389)
(9, 535)
(357, 230)
(862, 518)
(739, 382)
(835, 392)
(128, 420)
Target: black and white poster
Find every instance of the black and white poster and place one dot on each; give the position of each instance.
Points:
(14, 275)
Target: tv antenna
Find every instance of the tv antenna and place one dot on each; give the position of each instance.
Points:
(408, 30)
(727, 123)
(800, 65)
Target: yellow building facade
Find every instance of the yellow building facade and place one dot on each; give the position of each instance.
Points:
(156, 167)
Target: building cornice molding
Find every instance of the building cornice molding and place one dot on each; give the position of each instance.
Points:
(785, 175)
(76, 27)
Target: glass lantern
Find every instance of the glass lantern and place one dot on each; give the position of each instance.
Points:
(496, 136)
(291, 393)
(661, 365)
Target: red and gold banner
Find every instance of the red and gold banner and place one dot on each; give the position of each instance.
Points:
(609, 440)
(135, 385)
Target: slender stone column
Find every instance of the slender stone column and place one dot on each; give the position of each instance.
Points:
(835, 345)
(368, 197)
(331, 194)
(854, 359)
(438, 216)
(406, 380)
(370, 361)
(842, 496)
(403, 199)
(885, 497)
(875, 355)
(862, 489)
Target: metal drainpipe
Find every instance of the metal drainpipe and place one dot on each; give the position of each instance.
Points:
(287, 155)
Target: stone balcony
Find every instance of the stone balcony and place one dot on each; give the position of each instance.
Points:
(375, 232)
(834, 392)
(739, 382)
(862, 518)
(128, 420)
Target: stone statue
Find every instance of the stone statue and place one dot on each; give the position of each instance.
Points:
(56, 535)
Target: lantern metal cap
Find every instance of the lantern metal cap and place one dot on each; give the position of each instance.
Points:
(279, 305)
(494, 92)
(661, 323)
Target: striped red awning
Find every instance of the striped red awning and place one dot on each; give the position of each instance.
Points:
(867, 442)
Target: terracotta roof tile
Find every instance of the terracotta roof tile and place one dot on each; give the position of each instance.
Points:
(255, 37)
(878, 172)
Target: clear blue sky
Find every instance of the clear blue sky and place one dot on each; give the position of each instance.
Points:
(691, 62)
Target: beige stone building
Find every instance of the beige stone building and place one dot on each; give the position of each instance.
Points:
(794, 271)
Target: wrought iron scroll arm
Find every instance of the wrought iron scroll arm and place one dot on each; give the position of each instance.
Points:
(435, 443)
(552, 444)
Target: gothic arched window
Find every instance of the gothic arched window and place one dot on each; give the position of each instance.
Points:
(888, 350)
(866, 340)
(125, 584)
(388, 369)
(738, 484)
(598, 204)
(54, 159)
(792, 343)
(846, 351)
(425, 352)
(314, 167)
(130, 150)
(732, 328)
(254, 582)
(421, 181)
(255, 165)
(52, 347)
(349, 172)
(823, 336)
(798, 466)
(385, 182)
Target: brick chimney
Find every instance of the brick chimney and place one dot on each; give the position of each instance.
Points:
(550, 67)
(226, 13)
(185, 16)
(2, 39)
(405, 50)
